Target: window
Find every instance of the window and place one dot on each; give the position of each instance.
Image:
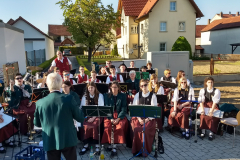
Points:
(163, 26)
(181, 26)
(134, 29)
(141, 28)
(172, 6)
(162, 46)
(135, 46)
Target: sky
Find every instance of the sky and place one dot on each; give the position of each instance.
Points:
(43, 12)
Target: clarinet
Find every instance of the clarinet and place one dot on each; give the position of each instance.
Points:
(156, 141)
(112, 135)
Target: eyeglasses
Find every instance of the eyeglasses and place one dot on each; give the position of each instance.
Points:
(183, 82)
(18, 78)
(66, 74)
(145, 85)
(169, 73)
(183, 74)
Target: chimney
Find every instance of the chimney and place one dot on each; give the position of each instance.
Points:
(209, 21)
(221, 14)
(237, 14)
(229, 13)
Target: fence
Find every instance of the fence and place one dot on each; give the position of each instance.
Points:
(35, 57)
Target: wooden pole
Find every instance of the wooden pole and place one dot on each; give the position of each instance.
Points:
(26, 58)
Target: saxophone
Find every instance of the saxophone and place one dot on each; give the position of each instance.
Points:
(29, 128)
(156, 141)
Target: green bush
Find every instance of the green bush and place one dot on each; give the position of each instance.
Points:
(98, 57)
(45, 64)
(74, 50)
(80, 62)
(182, 44)
(114, 51)
(200, 58)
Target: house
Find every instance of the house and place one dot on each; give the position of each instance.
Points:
(155, 25)
(12, 46)
(34, 38)
(221, 16)
(198, 48)
(217, 37)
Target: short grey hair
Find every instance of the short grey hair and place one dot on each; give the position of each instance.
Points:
(132, 71)
(54, 81)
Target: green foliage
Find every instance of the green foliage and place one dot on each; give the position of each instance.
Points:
(200, 58)
(80, 62)
(114, 51)
(182, 44)
(74, 50)
(99, 57)
(90, 22)
(45, 64)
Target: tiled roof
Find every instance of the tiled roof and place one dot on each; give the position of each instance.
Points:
(133, 7)
(10, 21)
(198, 30)
(58, 30)
(67, 41)
(197, 47)
(57, 43)
(227, 15)
(118, 31)
(20, 18)
(224, 23)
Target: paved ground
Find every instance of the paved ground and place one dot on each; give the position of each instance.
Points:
(75, 64)
(175, 148)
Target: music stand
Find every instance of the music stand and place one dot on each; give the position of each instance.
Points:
(144, 111)
(151, 71)
(98, 111)
(130, 69)
(73, 71)
(108, 70)
(125, 76)
(102, 78)
(168, 84)
(39, 93)
(102, 87)
(80, 89)
(123, 86)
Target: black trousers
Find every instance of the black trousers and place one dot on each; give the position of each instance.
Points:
(69, 153)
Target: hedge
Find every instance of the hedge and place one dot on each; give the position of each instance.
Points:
(99, 57)
(114, 51)
(80, 62)
(200, 58)
(45, 64)
(182, 44)
(74, 50)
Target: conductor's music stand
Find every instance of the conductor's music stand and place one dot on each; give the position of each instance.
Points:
(98, 111)
(144, 111)
(39, 93)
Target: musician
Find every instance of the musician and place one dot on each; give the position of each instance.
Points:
(43, 84)
(66, 77)
(149, 66)
(134, 81)
(67, 88)
(21, 102)
(118, 100)
(94, 77)
(179, 113)
(63, 63)
(168, 78)
(144, 69)
(55, 114)
(132, 64)
(82, 77)
(181, 74)
(5, 133)
(102, 71)
(114, 76)
(108, 65)
(209, 97)
(154, 87)
(122, 68)
(143, 97)
(57, 70)
(91, 124)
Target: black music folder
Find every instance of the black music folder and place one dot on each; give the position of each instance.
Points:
(129, 69)
(168, 84)
(102, 78)
(102, 87)
(125, 76)
(80, 88)
(162, 98)
(151, 71)
(73, 71)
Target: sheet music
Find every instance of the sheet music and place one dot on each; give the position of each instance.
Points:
(7, 120)
(216, 113)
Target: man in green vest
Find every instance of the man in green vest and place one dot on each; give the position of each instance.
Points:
(55, 114)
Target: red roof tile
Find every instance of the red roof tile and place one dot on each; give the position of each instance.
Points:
(227, 15)
(198, 30)
(57, 43)
(133, 7)
(20, 18)
(224, 23)
(118, 31)
(67, 41)
(58, 30)
(10, 21)
(197, 47)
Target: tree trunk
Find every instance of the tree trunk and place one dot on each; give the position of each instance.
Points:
(89, 54)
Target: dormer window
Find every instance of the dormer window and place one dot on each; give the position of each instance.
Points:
(173, 6)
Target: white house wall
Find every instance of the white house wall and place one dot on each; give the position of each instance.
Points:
(133, 38)
(198, 41)
(3, 54)
(216, 17)
(217, 42)
(124, 37)
(49, 48)
(144, 37)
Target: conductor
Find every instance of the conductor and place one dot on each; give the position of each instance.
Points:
(55, 114)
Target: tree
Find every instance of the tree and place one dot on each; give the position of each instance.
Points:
(114, 51)
(90, 22)
(182, 44)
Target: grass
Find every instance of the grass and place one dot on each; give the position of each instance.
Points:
(45, 64)
(85, 61)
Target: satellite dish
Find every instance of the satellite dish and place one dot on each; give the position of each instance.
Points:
(130, 51)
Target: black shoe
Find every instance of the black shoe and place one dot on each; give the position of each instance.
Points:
(113, 154)
(210, 137)
(9, 145)
(3, 151)
(202, 135)
(183, 134)
(83, 152)
(109, 148)
(161, 148)
(187, 136)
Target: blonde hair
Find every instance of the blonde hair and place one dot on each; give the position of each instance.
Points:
(153, 76)
(54, 81)
(167, 71)
(179, 75)
(180, 81)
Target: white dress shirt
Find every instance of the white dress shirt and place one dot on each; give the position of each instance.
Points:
(108, 79)
(54, 63)
(100, 100)
(94, 81)
(190, 95)
(215, 98)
